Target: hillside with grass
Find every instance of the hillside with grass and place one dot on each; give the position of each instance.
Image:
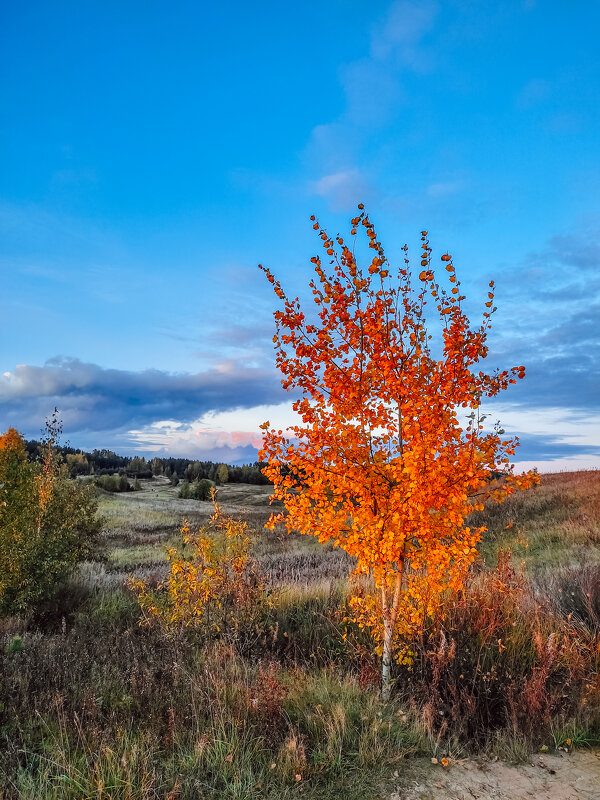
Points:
(97, 701)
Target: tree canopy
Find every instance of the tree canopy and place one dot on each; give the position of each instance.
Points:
(391, 454)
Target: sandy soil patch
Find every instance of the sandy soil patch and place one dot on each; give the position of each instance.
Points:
(573, 776)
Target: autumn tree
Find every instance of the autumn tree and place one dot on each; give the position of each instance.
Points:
(47, 522)
(222, 474)
(156, 466)
(391, 454)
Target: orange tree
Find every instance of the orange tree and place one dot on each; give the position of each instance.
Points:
(391, 454)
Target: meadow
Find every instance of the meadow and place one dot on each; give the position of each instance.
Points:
(94, 704)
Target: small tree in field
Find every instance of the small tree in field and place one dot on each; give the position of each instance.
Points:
(48, 523)
(222, 474)
(212, 583)
(381, 464)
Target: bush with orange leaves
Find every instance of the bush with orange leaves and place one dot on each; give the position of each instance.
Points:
(212, 584)
(381, 463)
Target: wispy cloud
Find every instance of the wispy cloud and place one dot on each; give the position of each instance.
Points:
(551, 307)
(445, 189)
(230, 436)
(196, 442)
(581, 250)
(374, 95)
(343, 189)
(533, 93)
(401, 34)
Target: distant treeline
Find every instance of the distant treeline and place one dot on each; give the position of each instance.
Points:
(106, 462)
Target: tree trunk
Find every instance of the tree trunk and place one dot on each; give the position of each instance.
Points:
(386, 669)
(390, 615)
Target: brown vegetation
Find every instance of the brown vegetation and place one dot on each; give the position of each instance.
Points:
(96, 706)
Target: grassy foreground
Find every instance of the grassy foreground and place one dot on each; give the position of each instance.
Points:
(93, 705)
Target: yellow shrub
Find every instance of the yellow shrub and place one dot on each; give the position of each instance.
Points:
(212, 583)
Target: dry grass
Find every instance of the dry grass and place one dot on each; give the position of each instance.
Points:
(141, 526)
(554, 524)
(94, 706)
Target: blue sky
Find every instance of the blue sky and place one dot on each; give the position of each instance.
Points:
(153, 154)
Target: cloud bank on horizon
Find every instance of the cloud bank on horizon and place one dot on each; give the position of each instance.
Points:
(138, 194)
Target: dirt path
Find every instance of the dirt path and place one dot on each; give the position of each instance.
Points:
(574, 776)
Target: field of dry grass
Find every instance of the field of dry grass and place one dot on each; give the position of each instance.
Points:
(92, 705)
(140, 526)
(555, 524)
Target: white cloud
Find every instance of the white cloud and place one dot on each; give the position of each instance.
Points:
(373, 97)
(566, 426)
(216, 436)
(551, 439)
(444, 189)
(568, 464)
(343, 189)
(399, 36)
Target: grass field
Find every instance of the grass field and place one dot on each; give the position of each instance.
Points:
(94, 705)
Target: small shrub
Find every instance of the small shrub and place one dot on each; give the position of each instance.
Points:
(268, 693)
(48, 523)
(197, 490)
(113, 483)
(212, 585)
